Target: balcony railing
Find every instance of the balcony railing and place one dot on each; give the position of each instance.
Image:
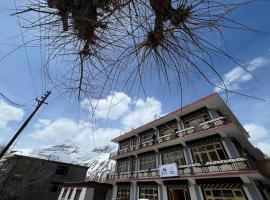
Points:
(231, 165)
(173, 135)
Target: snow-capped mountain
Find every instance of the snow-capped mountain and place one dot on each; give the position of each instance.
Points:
(96, 159)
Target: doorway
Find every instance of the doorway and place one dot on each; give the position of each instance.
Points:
(178, 194)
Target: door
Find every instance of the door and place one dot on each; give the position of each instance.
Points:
(178, 194)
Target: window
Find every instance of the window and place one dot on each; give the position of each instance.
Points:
(62, 170)
(167, 128)
(147, 135)
(124, 144)
(55, 186)
(208, 152)
(223, 194)
(147, 161)
(6, 164)
(70, 193)
(134, 141)
(149, 192)
(123, 166)
(77, 194)
(174, 155)
(196, 118)
(123, 192)
(64, 193)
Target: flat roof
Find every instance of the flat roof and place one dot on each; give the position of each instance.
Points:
(39, 158)
(213, 101)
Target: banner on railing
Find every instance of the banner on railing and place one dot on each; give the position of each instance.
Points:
(168, 170)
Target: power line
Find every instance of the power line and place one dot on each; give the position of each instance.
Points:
(12, 102)
(17, 134)
(25, 50)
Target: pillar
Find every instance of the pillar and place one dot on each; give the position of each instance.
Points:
(250, 189)
(114, 192)
(163, 192)
(133, 190)
(195, 191)
(230, 148)
(188, 155)
(89, 194)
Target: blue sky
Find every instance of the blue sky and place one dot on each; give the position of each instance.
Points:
(65, 121)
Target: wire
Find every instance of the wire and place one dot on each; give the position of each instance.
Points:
(25, 50)
(12, 102)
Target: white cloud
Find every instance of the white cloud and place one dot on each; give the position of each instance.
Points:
(67, 131)
(9, 113)
(144, 111)
(112, 107)
(256, 131)
(238, 75)
(264, 146)
(257, 134)
(128, 113)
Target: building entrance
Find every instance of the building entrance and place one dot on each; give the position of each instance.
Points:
(178, 194)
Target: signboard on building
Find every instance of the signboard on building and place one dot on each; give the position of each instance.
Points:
(168, 170)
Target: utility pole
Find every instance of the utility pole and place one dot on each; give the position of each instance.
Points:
(40, 103)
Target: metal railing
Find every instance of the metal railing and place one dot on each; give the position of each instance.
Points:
(178, 134)
(230, 165)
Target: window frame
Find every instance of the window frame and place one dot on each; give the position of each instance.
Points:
(199, 150)
(153, 195)
(123, 191)
(61, 170)
(173, 155)
(148, 161)
(53, 184)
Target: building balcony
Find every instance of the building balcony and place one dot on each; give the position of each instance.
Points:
(235, 165)
(169, 136)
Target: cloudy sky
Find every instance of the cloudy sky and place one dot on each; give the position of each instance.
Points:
(65, 121)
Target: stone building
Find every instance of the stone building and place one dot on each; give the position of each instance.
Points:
(29, 178)
(199, 152)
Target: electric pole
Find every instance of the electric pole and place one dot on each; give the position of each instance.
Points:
(40, 103)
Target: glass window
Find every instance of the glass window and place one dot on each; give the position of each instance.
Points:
(147, 135)
(64, 193)
(61, 170)
(70, 193)
(55, 186)
(174, 155)
(196, 118)
(149, 192)
(124, 144)
(208, 152)
(227, 193)
(147, 161)
(6, 164)
(213, 155)
(77, 194)
(167, 128)
(223, 194)
(221, 154)
(123, 166)
(123, 192)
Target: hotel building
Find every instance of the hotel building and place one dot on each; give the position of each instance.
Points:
(199, 152)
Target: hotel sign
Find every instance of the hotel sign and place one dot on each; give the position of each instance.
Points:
(168, 170)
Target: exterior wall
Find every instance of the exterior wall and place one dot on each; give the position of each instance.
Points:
(39, 172)
(225, 130)
(86, 194)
